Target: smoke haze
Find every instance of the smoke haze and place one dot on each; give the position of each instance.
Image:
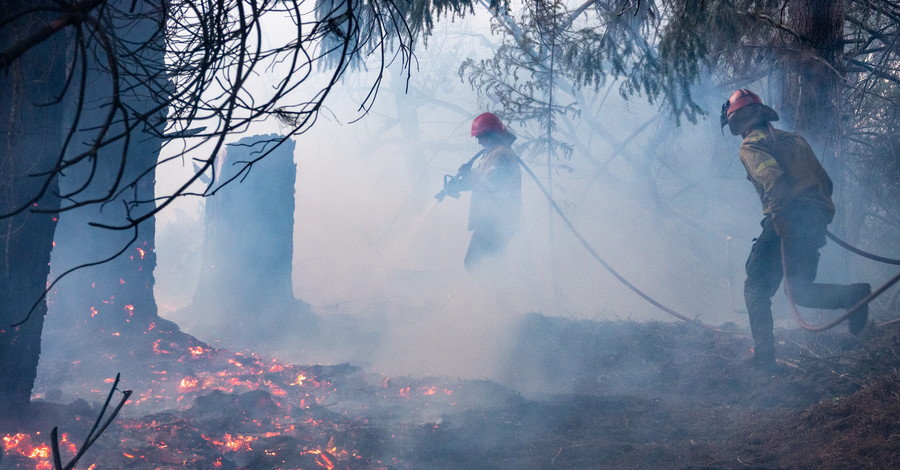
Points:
(380, 261)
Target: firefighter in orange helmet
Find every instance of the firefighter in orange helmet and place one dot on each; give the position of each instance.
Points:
(796, 197)
(496, 184)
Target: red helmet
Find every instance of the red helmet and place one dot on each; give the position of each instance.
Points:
(486, 122)
(739, 99)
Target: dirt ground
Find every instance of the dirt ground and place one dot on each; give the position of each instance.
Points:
(578, 395)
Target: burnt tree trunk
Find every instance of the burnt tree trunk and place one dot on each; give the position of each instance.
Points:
(812, 93)
(813, 73)
(114, 299)
(812, 83)
(29, 144)
(245, 285)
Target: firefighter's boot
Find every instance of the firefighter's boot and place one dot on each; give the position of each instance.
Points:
(860, 317)
(764, 358)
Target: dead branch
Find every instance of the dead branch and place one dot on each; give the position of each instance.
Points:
(95, 432)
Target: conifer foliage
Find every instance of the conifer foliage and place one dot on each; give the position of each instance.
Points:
(830, 68)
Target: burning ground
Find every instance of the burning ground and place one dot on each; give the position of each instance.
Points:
(578, 395)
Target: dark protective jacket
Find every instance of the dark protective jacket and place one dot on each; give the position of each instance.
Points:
(496, 192)
(784, 169)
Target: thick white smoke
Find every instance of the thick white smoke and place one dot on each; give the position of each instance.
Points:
(375, 253)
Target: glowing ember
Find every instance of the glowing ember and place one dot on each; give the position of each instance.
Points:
(299, 380)
(188, 383)
(66, 444)
(24, 445)
(323, 459)
(232, 443)
(11, 441)
(130, 309)
(158, 350)
(286, 415)
(434, 390)
(40, 452)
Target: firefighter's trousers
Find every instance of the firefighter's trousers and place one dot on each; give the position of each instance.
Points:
(801, 252)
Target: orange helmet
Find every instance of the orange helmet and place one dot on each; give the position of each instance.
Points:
(486, 122)
(741, 99)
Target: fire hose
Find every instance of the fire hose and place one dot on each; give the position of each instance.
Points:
(787, 288)
(606, 265)
(850, 311)
(859, 252)
(453, 184)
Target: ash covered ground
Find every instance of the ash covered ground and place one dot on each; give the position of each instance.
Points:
(578, 395)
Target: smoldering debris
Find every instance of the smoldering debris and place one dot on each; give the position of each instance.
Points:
(616, 395)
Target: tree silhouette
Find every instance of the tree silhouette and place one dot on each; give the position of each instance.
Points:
(91, 82)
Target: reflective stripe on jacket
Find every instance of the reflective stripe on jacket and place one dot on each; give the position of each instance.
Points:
(783, 168)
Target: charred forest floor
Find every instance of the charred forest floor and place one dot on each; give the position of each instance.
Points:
(579, 395)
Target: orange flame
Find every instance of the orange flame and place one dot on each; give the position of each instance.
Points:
(233, 443)
(188, 383)
(159, 350)
(323, 458)
(21, 444)
(300, 378)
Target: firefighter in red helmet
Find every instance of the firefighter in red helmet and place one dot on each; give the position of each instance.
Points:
(494, 178)
(795, 192)
(496, 191)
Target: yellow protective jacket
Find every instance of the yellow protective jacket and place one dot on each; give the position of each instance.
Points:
(496, 191)
(783, 168)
